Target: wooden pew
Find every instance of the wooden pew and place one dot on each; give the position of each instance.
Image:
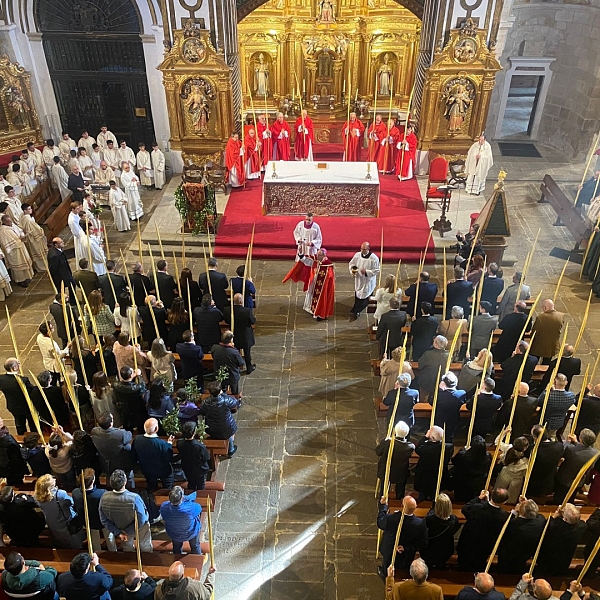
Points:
(57, 220)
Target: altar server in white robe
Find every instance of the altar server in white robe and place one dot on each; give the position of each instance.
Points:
(96, 251)
(97, 158)
(60, 178)
(36, 241)
(28, 162)
(65, 146)
(131, 185)
(118, 207)
(308, 237)
(36, 155)
(103, 137)
(86, 141)
(15, 253)
(111, 157)
(48, 154)
(158, 165)
(77, 232)
(479, 162)
(144, 165)
(16, 179)
(85, 164)
(126, 154)
(13, 209)
(364, 267)
(5, 287)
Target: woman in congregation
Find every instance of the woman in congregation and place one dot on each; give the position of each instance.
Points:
(471, 375)
(178, 321)
(442, 525)
(103, 398)
(389, 368)
(58, 452)
(187, 280)
(162, 362)
(103, 316)
(384, 294)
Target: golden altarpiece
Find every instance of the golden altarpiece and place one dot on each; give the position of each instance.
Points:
(19, 121)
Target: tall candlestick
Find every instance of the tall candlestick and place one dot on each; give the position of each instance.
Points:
(344, 88)
(304, 86)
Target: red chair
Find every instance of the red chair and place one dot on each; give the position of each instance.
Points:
(438, 174)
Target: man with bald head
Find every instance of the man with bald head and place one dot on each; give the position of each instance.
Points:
(243, 319)
(547, 328)
(154, 456)
(526, 406)
(532, 589)
(364, 267)
(570, 366)
(178, 587)
(413, 537)
(557, 400)
(482, 590)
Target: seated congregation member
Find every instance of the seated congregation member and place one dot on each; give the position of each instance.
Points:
(191, 355)
(207, 318)
(195, 458)
(181, 516)
(415, 588)
(441, 527)
(136, 586)
(521, 538)
(178, 322)
(389, 329)
(471, 374)
(485, 518)
(512, 475)
(113, 445)
(488, 405)
(399, 466)
(244, 319)
(154, 456)
(389, 369)
(217, 410)
(12, 465)
(178, 587)
(407, 399)
(429, 449)
(19, 519)
(28, 578)
(482, 590)
(225, 354)
(532, 589)
(423, 330)
(83, 582)
(58, 508)
(130, 398)
(429, 364)
(413, 537)
(543, 472)
(471, 467)
(449, 403)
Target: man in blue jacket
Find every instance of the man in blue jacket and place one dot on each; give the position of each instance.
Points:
(154, 456)
(80, 582)
(181, 515)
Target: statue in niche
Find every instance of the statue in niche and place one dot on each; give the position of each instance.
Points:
(458, 96)
(261, 76)
(465, 51)
(18, 107)
(324, 65)
(384, 76)
(326, 11)
(197, 95)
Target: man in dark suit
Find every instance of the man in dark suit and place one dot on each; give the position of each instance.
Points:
(154, 456)
(510, 370)
(458, 293)
(141, 284)
(225, 354)
(56, 310)
(191, 357)
(484, 325)
(407, 398)
(427, 293)
(512, 326)
(569, 367)
(432, 360)
(589, 413)
(113, 445)
(524, 411)
(492, 287)
(547, 459)
(207, 318)
(119, 283)
(218, 284)
(423, 331)
(399, 465)
(485, 518)
(429, 449)
(413, 537)
(167, 287)
(243, 320)
(85, 278)
(160, 315)
(59, 267)
(15, 399)
(449, 403)
(488, 404)
(391, 324)
(483, 589)
(130, 397)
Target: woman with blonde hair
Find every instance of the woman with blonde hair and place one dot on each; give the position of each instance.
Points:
(383, 295)
(448, 328)
(58, 510)
(471, 373)
(105, 319)
(103, 398)
(389, 369)
(162, 362)
(442, 524)
(59, 457)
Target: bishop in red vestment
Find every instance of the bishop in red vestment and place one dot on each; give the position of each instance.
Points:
(280, 131)
(263, 132)
(234, 161)
(407, 148)
(376, 134)
(386, 159)
(353, 144)
(304, 137)
(320, 297)
(252, 148)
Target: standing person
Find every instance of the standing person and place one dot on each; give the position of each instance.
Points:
(386, 159)
(162, 362)
(113, 445)
(429, 449)
(263, 131)
(569, 366)
(181, 516)
(126, 154)
(308, 236)
(74, 222)
(237, 285)
(376, 134)
(217, 410)
(512, 475)
(303, 145)
(119, 284)
(165, 284)
(178, 322)
(511, 325)
(58, 265)
(406, 159)
(86, 141)
(399, 466)
(390, 328)
(81, 582)
(251, 152)
(427, 293)
(103, 137)
(158, 166)
(60, 179)
(104, 174)
(218, 284)
(281, 134)
(101, 396)
(131, 186)
(35, 238)
(449, 403)
(488, 404)
(65, 145)
(93, 247)
(75, 184)
(558, 401)
(352, 133)
(234, 161)
(483, 327)
(144, 165)
(111, 156)
(191, 357)
(492, 287)
(186, 279)
(364, 267)
(458, 293)
(407, 398)
(12, 464)
(49, 152)
(96, 157)
(207, 318)
(441, 527)
(136, 586)
(40, 168)
(50, 350)
(470, 468)
(195, 458)
(320, 297)
(20, 518)
(15, 399)
(547, 327)
(415, 587)
(423, 331)
(384, 294)
(243, 320)
(86, 279)
(225, 354)
(15, 254)
(154, 456)
(118, 206)
(141, 284)
(479, 162)
(101, 313)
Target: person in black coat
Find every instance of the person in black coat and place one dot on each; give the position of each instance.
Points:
(76, 184)
(207, 318)
(423, 331)
(399, 467)
(524, 412)
(81, 582)
(471, 466)
(407, 399)
(589, 413)
(21, 522)
(160, 315)
(225, 354)
(449, 403)
(492, 287)
(55, 397)
(56, 310)
(58, 265)
(141, 284)
(488, 404)
(136, 586)
(521, 538)
(130, 398)
(191, 357)
(167, 287)
(12, 465)
(15, 399)
(243, 320)
(119, 284)
(441, 527)
(427, 293)
(590, 537)
(548, 456)
(218, 284)
(570, 366)
(510, 370)
(186, 280)
(195, 458)
(413, 537)
(512, 327)
(485, 518)
(217, 410)
(389, 328)
(237, 286)
(483, 589)
(429, 449)
(458, 293)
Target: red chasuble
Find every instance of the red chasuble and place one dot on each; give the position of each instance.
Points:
(299, 272)
(281, 142)
(264, 135)
(304, 140)
(251, 154)
(355, 142)
(410, 158)
(386, 159)
(376, 134)
(234, 159)
(323, 294)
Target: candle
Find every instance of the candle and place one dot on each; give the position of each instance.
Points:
(344, 88)
(304, 86)
(356, 96)
(293, 94)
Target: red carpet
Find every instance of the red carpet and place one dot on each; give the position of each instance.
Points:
(402, 217)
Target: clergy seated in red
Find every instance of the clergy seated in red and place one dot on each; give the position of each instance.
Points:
(406, 158)
(234, 161)
(263, 133)
(281, 138)
(252, 148)
(304, 137)
(352, 143)
(377, 132)
(320, 297)
(438, 170)
(386, 159)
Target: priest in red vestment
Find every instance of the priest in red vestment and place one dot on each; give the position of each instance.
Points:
(252, 148)
(234, 161)
(352, 145)
(376, 134)
(386, 159)
(407, 148)
(281, 133)
(304, 137)
(320, 298)
(263, 132)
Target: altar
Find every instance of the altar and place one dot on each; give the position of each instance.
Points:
(323, 188)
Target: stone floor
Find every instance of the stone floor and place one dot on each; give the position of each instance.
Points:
(297, 518)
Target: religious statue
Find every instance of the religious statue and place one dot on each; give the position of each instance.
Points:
(384, 76)
(261, 76)
(193, 50)
(458, 100)
(465, 50)
(198, 107)
(326, 11)
(18, 107)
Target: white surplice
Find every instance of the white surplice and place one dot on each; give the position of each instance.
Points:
(144, 165)
(134, 203)
(78, 234)
(308, 240)
(364, 285)
(158, 164)
(118, 206)
(477, 168)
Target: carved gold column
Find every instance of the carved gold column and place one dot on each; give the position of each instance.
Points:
(311, 76)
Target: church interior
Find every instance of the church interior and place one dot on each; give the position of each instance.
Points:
(294, 512)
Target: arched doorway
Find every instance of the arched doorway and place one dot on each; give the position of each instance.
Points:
(96, 62)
